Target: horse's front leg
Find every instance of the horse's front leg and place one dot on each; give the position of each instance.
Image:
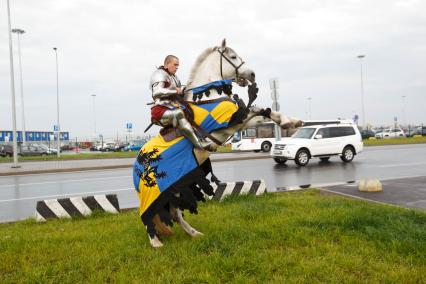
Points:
(177, 216)
(284, 121)
(154, 240)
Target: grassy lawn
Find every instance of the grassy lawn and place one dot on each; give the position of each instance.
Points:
(395, 141)
(80, 156)
(276, 238)
(87, 156)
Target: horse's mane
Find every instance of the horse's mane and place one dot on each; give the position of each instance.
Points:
(198, 61)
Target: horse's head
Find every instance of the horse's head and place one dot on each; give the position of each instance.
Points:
(220, 63)
(233, 67)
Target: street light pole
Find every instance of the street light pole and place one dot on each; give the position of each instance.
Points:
(57, 105)
(309, 107)
(362, 91)
(94, 114)
(12, 89)
(403, 111)
(19, 32)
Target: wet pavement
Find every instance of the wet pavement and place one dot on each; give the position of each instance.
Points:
(406, 192)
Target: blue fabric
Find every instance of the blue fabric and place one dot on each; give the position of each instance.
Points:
(177, 161)
(204, 88)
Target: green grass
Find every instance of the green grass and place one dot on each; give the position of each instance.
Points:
(87, 156)
(395, 141)
(278, 238)
(81, 156)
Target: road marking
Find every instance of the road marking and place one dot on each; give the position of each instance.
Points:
(68, 194)
(401, 165)
(65, 173)
(62, 181)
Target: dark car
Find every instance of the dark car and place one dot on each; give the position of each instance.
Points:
(6, 151)
(367, 133)
(32, 150)
(421, 130)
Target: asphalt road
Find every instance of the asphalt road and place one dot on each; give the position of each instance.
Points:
(19, 194)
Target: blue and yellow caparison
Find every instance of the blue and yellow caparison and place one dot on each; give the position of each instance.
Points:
(162, 164)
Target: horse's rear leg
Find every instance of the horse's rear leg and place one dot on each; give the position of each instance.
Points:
(177, 215)
(160, 227)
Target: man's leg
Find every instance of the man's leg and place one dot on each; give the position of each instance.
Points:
(176, 117)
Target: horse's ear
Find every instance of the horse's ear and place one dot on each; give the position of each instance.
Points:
(224, 44)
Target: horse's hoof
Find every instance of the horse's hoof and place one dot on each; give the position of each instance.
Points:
(287, 125)
(155, 242)
(299, 123)
(195, 234)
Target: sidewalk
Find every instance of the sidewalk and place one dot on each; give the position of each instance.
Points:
(405, 192)
(101, 164)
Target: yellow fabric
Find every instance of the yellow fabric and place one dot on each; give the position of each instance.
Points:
(224, 111)
(199, 114)
(147, 195)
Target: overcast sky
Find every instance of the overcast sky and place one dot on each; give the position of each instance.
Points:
(110, 48)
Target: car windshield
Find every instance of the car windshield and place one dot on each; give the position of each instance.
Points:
(304, 133)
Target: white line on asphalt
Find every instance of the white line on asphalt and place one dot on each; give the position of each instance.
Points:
(64, 173)
(62, 181)
(401, 165)
(69, 194)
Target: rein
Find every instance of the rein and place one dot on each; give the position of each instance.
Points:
(222, 55)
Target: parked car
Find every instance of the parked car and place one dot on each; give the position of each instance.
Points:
(134, 146)
(119, 147)
(68, 147)
(6, 151)
(367, 133)
(49, 151)
(390, 133)
(319, 141)
(421, 130)
(32, 150)
(107, 147)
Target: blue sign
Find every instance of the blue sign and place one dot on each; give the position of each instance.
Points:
(55, 128)
(31, 135)
(129, 125)
(395, 119)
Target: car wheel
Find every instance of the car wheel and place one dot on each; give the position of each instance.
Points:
(280, 161)
(266, 146)
(325, 159)
(302, 158)
(10, 155)
(348, 154)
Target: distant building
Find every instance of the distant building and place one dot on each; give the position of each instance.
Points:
(33, 136)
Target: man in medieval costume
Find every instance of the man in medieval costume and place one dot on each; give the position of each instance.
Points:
(166, 93)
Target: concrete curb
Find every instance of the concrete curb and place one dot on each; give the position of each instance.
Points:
(76, 206)
(255, 187)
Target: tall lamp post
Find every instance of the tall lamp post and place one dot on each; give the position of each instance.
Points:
(94, 115)
(58, 127)
(19, 32)
(360, 57)
(12, 89)
(404, 118)
(309, 107)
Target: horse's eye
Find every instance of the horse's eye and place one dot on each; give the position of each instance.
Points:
(234, 57)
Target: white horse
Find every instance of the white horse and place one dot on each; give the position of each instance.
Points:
(217, 64)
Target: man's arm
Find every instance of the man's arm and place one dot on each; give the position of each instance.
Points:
(159, 91)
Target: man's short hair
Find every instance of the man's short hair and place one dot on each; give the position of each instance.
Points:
(169, 58)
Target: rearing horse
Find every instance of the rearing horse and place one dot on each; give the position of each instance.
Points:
(169, 173)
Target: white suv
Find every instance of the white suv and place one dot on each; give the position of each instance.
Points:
(320, 141)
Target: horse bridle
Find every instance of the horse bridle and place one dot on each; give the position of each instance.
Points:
(222, 55)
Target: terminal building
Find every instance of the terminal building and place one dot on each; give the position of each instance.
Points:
(33, 136)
